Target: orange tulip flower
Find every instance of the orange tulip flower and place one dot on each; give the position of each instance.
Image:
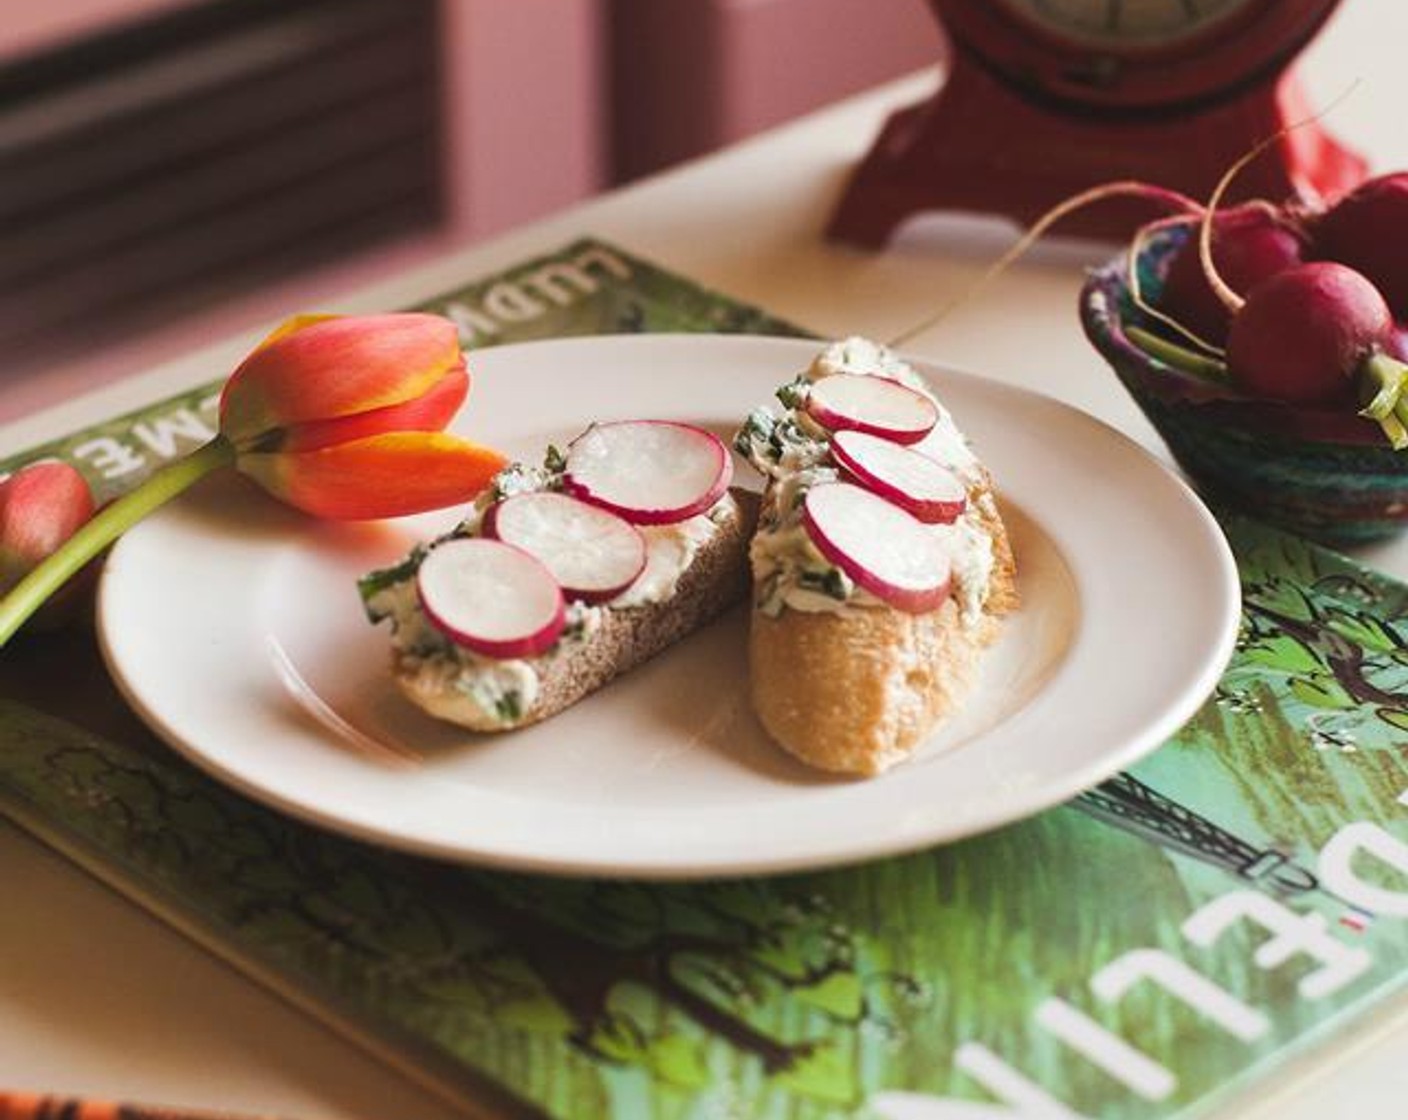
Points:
(340, 417)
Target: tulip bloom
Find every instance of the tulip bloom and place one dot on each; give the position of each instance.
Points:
(340, 417)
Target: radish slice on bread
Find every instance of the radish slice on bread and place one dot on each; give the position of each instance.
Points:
(884, 549)
(876, 405)
(491, 597)
(594, 554)
(909, 478)
(651, 472)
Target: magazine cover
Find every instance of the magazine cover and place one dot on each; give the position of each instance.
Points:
(1185, 931)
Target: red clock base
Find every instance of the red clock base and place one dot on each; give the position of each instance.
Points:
(979, 146)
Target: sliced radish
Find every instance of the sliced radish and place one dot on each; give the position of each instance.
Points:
(651, 472)
(880, 546)
(877, 405)
(491, 597)
(591, 552)
(909, 478)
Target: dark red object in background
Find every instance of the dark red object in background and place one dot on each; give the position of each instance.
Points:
(1045, 98)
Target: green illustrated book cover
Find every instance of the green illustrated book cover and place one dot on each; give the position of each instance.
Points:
(1184, 932)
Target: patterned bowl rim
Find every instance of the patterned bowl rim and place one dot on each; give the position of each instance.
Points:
(1105, 300)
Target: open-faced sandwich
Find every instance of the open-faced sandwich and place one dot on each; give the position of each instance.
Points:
(566, 575)
(881, 566)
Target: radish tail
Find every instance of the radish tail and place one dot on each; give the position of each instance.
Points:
(1230, 299)
(1170, 198)
(1136, 294)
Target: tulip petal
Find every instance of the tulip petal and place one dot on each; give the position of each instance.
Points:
(387, 475)
(429, 412)
(335, 367)
(291, 324)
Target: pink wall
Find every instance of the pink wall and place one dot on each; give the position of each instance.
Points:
(526, 103)
(783, 58)
(690, 75)
(539, 97)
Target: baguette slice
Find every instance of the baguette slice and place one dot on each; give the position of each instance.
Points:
(844, 682)
(618, 640)
(855, 691)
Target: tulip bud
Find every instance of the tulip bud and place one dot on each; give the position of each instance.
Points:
(41, 506)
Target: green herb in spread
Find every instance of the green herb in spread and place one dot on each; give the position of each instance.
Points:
(554, 460)
(493, 694)
(374, 583)
(769, 442)
(794, 394)
(827, 581)
(756, 432)
(574, 629)
(509, 707)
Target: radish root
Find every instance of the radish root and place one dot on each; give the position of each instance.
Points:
(1230, 299)
(1136, 293)
(1174, 200)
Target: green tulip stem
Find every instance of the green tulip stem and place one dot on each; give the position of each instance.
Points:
(104, 527)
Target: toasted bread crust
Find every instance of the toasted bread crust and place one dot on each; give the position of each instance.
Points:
(855, 691)
(716, 579)
(1003, 595)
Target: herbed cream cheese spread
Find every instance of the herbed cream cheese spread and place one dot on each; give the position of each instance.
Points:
(503, 689)
(794, 453)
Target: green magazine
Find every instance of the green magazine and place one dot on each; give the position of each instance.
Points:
(1181, 933)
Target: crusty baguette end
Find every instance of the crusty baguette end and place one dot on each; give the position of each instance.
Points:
(856, 691)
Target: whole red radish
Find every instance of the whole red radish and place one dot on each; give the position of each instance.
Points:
(1250, 243)
(1367, 229)
(1314, 334)
(1302, 336)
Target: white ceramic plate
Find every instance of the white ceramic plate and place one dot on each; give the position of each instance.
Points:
(234, 628)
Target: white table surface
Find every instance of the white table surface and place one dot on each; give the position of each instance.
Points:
(98, 998)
